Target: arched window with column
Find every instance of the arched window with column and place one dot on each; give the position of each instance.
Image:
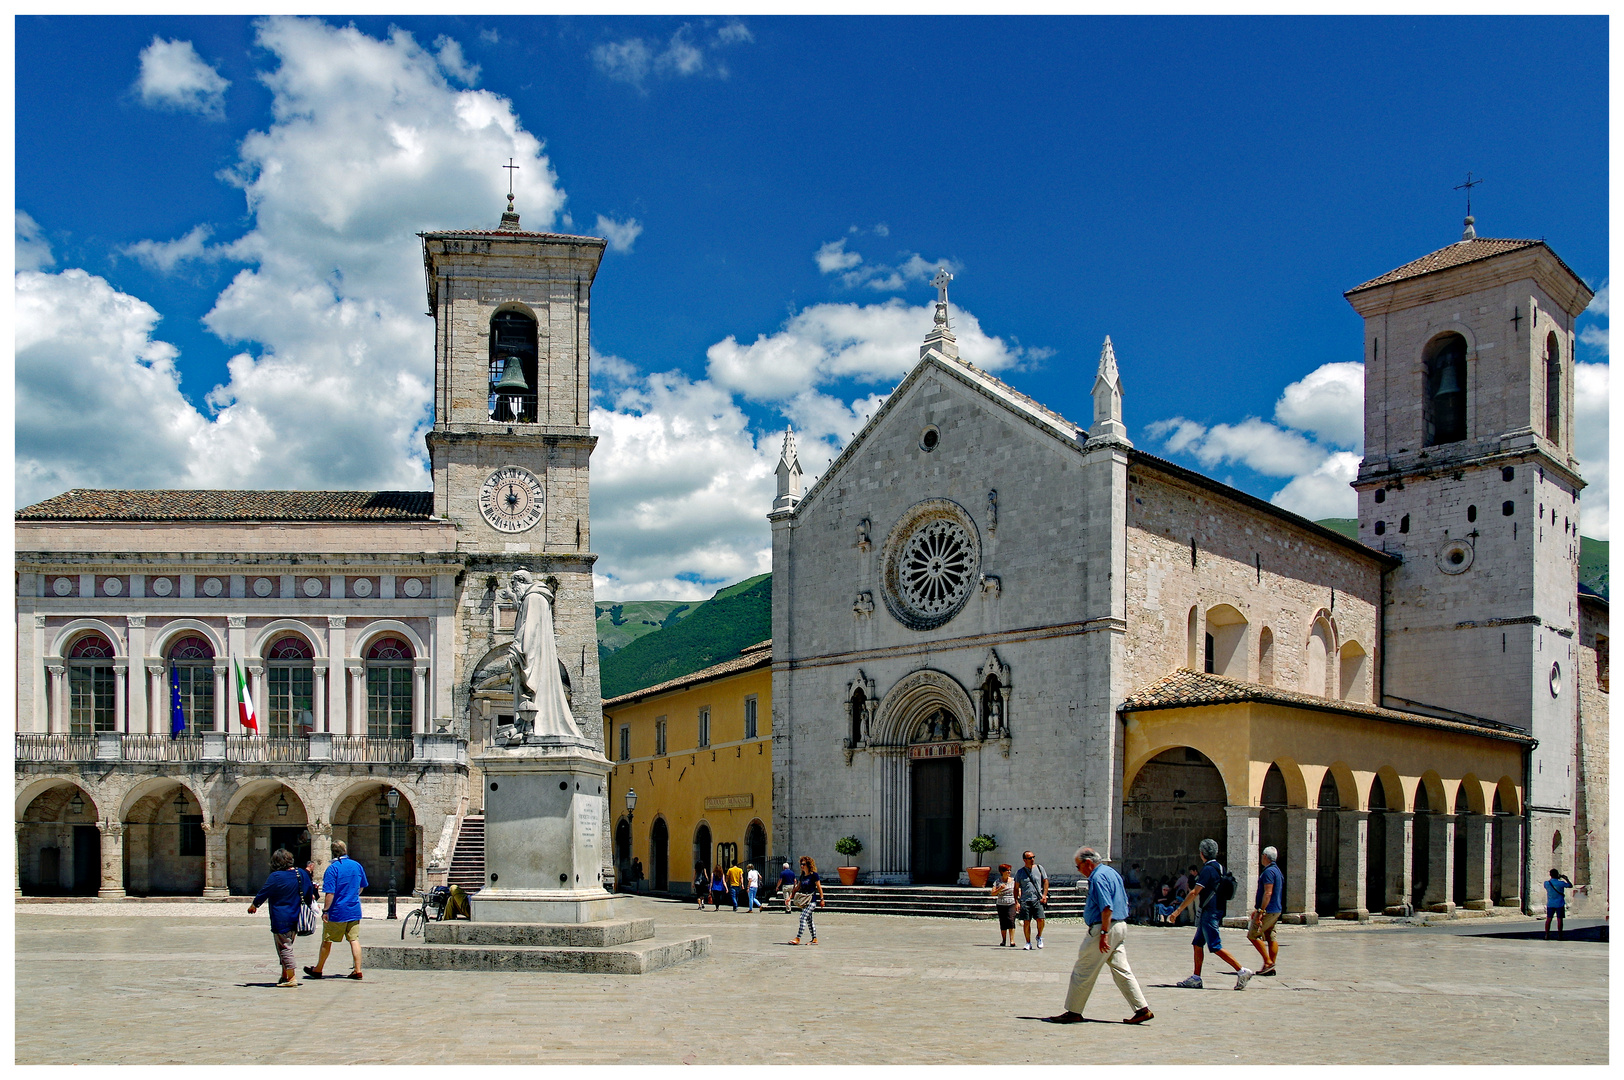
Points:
(1444, 390)
(90, 686)
(290, 675)
(191, 672)
(389, 689)
(1553, 388)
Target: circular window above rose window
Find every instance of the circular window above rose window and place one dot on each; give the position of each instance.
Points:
(932, 560)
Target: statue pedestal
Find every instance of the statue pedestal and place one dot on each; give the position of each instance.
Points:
(543, 833)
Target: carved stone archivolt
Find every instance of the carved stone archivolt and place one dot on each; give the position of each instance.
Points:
(917, 699)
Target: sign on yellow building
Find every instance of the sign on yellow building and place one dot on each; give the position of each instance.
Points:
(695, 755)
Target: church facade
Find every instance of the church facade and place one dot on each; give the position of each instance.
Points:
(990, 620)
(370, 628)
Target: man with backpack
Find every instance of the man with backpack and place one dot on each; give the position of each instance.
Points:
(1214, 887)
(1032, 888)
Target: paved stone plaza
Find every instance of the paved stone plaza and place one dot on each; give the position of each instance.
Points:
(192, 983)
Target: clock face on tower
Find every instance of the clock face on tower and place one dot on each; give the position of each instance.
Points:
(512, 499)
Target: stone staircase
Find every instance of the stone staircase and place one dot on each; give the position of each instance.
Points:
(939, 901)
(618, 946)
(468, 858)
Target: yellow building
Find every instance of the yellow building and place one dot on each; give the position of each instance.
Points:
(697, 751)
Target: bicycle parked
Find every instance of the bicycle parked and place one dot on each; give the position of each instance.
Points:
(432, 906)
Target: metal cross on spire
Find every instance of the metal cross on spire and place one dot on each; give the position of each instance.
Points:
(940, 281)
(1469, 185)
(512, 168)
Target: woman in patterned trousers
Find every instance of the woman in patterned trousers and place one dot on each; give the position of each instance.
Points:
(810, 887)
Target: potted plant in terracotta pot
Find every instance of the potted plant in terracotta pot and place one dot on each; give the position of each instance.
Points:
(982, 844)
(848, 846)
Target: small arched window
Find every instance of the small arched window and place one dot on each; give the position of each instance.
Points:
(291, 690)
(1321, 650)
(90, 685)
(191, 673)
(1265, 656)
(1444, 393)
(1353, 670)
(513, 337)
(389, 689)
(1553, 388)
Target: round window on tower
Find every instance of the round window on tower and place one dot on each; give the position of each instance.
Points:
(929, 438)
(932, 561)
(1455, 557)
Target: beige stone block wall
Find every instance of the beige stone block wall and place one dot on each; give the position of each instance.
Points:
(1278, 576)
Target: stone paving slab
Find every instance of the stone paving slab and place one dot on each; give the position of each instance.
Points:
(155, 989)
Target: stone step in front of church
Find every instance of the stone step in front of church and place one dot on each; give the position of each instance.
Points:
(936, 901)
(614, 947)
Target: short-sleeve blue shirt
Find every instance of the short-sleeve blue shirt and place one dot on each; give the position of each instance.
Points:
(1105, 890)
(1271, 875)
(1208, 880)
(345, 879)
(1555, 893)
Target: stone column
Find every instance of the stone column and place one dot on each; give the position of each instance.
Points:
(1511, 859)
(1479, 830)
(356, 722)
(256, 694)
(1440, 863)
(890, 810)
(337, 714)
(1351, 863)
(1302, 863)
(318, 698)
(112, 860)
(59, 697)
(420, 696)
(1241, 852)
(138, 677)
(1400, 849)
(17, 863)
(222, 700)
(214, 859)
(158, 714)
(121, 697)
(321, 843)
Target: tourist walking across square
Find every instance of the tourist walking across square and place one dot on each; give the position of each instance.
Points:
(1106, 944)
(1266, 909)
(786, 884)
(1207, 900)
(1033, 882)
(735, 882)
(1556, 901)
(701, 884)
(1003, 899)
(341, 889)
(807, 895)
(752, 882)
(288, 889)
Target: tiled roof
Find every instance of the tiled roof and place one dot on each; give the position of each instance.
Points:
(83, 504)
(1457, 254)
(755, 656)
(518, 234)
(1185, 688)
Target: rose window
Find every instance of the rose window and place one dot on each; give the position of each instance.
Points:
(931, 563)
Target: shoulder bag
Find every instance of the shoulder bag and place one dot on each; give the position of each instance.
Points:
(309, 913)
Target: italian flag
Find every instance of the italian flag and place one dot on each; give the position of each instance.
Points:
(245, 704)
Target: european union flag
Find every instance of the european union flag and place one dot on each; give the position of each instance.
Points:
(177, 715)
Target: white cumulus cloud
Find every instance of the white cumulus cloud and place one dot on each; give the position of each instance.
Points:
(826, 342)
(173, 76)
(833, 257)
(165, 255)
(1323, 492)
(1591, 387)
(620, 234)
(1328, 403)
(633, 60)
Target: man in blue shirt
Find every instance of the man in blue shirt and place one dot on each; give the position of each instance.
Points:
(1106, 944)
(1209, 917)
(1271, 892)
(341, 889)
(1556, 901)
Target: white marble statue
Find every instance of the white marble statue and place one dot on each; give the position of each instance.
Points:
(538, 691)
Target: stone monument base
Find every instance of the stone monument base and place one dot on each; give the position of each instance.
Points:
(614, 947)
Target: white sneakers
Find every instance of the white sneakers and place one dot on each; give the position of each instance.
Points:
(1027, 946)
(1040, 941)
(1242, 977)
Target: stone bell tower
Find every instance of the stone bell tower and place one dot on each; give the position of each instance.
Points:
(1469, 475)
(510, 447)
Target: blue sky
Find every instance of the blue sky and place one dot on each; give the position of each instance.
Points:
(227, 209)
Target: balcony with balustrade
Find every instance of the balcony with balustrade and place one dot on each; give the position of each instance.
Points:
(215, 747)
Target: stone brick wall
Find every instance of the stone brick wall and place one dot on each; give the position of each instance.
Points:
(1590, 808)
(1279, 576)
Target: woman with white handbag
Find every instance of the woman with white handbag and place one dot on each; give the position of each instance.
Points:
(289, 890)
(806, 896)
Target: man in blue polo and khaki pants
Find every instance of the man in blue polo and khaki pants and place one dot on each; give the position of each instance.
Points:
(1106, 944)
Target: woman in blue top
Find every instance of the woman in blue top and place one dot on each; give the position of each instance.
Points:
(287, 888)
(718, 888)
(807, 895)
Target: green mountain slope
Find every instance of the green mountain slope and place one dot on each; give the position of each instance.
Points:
(737, 616)
(1348, 527)
(621, 624)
